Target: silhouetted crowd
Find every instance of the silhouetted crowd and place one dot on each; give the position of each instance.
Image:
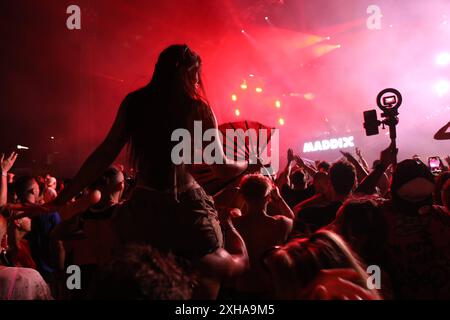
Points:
(342, 230)
(224, 230)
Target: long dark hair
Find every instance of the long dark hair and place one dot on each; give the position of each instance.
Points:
(173, 99)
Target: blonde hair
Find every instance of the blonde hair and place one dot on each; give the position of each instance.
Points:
(323, 250)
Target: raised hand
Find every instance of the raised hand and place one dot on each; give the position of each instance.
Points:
(290, 155)
(447, 159)
(299, 161)
(350, 158)
(358, 152)
(275, 194)
(7, 163)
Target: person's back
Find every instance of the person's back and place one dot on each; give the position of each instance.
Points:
(418, 244)
(22, 284)
(418, 253)
(150, 122)
(260, 232)
(168, 208)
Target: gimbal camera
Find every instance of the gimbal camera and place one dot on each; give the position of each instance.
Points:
(388, 100)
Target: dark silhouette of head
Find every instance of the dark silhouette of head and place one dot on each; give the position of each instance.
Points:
(111, 181)
(298, 179)
(342, 177)
(27, 189)
(173, 99)
(412, 186)
(324, 166)
(255, 188)
(178, 70)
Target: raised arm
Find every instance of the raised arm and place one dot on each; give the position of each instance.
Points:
(387, 157)
(311, 171)
(227, 263)
(362, 160)
(6, 165)
(283, 178)
(442, 134)
(99, 160)
(361, 173)
(281, 205)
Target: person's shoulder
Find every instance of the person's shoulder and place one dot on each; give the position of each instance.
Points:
(33, 285)
(22, 274)
(281, 219)
(134, 98)
(282, 223)
(136, 94)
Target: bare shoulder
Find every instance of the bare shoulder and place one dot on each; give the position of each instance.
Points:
(280, 220)
(282, 223)
(278, 259)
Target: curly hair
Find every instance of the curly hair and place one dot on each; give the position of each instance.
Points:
(140, 272)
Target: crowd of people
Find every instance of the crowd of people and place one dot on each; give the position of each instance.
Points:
(340, 230)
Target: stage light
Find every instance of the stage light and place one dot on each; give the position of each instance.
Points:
(443, 59)
(442, 87)
(266, 18)
(19, 147)
(237, 112)
(244, 85)
(309, 96)
(328, 38)
(234, 97)
(338, 46)
(251, 75)
(259, 90)
(278, 104)
(281, 121)
(53, 138)
(242, 31)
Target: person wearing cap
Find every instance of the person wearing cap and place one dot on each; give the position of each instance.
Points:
(418, 235)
